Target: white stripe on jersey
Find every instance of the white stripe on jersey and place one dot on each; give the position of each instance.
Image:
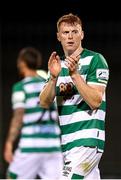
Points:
(75, 99)
(31, 117)
(88, 133)
(81, 116)
(34, 116)
(67, 79)
(86, 60)
(83, 61)
(34, 87)
(32, 102)
(38, 143)
(47, 115)
(29, 130)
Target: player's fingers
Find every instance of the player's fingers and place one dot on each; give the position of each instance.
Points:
(75, 58)
(70, 65)
(52, 57)
(72, 60)
(58, 58)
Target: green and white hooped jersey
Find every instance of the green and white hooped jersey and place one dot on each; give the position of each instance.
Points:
(80, 125)
(40, 131)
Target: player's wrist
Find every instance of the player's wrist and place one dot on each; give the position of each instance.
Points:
(74, 74)
(53, 78)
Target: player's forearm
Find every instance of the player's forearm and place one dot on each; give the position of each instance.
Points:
(16, 124)
(14, 130)
(48, 93)
(91, 96)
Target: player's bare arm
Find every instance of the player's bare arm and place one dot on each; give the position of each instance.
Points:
(14, 131)
(48, 93)
(92, 94)
(16, 124)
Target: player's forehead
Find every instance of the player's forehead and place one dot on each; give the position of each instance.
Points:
(64, 26)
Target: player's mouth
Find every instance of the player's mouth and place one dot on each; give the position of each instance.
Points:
(70, 43)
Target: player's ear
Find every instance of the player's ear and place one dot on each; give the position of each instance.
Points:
(58, 37)
(82, 35)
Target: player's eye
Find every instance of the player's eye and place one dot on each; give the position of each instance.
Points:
(74, 31)
(65, 32)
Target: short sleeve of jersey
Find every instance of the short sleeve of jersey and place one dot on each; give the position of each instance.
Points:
(98, 72)
(18, 96)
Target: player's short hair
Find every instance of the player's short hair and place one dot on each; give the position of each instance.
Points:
(31, 56)
(70, 19)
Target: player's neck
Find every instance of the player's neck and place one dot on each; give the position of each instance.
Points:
(30, 73)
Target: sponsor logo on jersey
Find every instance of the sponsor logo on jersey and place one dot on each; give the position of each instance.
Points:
(102, 74)
(67, 170)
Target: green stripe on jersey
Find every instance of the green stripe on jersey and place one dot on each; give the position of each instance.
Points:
(46, 136)
(11, 175)
(94, 123)
(76, 176)
(45, 150)
(69, 109)
(65, 71)
(34, 109)
(84, 142)
(32, 95)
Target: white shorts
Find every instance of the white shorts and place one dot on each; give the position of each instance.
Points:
(29, 165)
(82, 162)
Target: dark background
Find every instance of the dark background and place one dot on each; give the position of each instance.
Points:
(35, 25)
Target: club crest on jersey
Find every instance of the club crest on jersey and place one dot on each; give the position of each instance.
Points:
(102, 74)
(66, 90)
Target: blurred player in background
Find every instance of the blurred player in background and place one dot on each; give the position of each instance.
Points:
(38, 152)
(79, 83)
